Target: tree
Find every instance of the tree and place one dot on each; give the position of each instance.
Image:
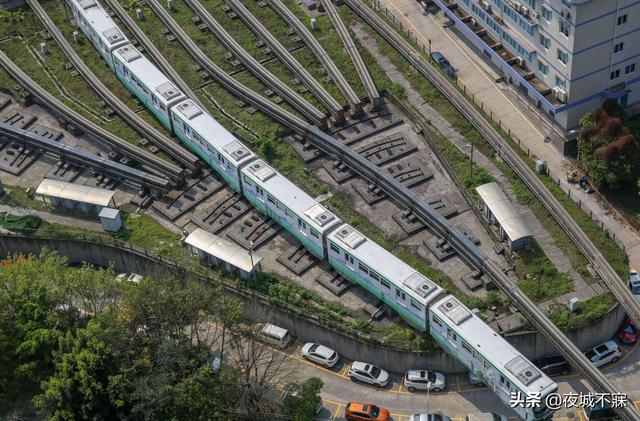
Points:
(302, 399)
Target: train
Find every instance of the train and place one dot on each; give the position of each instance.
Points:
(422, 303)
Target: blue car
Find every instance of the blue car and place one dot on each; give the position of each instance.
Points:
(444, 64)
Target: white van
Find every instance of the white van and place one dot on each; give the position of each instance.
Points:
(274, 335)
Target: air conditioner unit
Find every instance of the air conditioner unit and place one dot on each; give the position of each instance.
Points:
(474, 22)
(535, 15)
(520, 61)
(524, 10)
(563, 96)
(565, 13)
(518, 6)
(486, 5)
(555, 91)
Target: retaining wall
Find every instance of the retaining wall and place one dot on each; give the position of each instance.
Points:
(128, 259)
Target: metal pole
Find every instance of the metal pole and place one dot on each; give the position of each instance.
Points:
(429, 48)
(428, 390)
(253, 272)
(471, 161)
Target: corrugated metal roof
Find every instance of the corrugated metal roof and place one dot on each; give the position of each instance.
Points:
(76, 192)
(504, 211)
(222, 249)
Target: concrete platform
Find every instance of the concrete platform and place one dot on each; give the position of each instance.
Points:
(222, 212)
(198, 191)
(334, 282)
(297, 259)
(255, 228)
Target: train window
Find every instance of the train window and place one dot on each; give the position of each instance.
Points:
(363, 268)
(502, 379)
(467, 347)
(385, 283)
(279, 205)
(314, 233)
(334, 248)
(374, 276)
(416, 305)
(271, 199)
(485, 363)
(259, 189)
(286, 212)
(247, 181)
(162, 107)
(400, 294)
(349, 257)
(437, 321)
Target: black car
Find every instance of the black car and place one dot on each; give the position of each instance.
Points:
(552, 365)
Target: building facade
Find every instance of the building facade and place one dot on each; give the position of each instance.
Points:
(566, 56)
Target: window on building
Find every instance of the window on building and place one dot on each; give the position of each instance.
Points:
(546, 13)
(560, 82)
(546, 42)
(543, 68)
(564, 28)
(622, 19)
(630, 69)
(618, 47)
(615, 74)
(562, 56)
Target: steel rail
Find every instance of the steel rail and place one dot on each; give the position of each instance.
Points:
(173, 172)
(356, 58)
(313, 114)
(510, 156)
(328, 101)
(85, 159)
(336, 75)
(153, 51)
(180, 154)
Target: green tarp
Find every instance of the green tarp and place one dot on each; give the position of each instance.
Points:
(20, 222)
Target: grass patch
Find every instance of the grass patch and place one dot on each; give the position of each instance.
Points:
(18, 197)
(540, 280)
(589, 311)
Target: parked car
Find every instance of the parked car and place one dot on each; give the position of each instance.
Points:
(552, 365)
(129, 277)
(424, 380)
(274, 335)
(605, 353)
(628, 333)
(475, 380)
(435, 416)
(634, 284)
(319, 354)
(486, 416)
(444, 64)
(356, 411)
(368, 373)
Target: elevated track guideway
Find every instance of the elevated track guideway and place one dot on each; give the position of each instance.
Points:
(153, 51)
(325, 98)
(166, 169)
(356, 58)
(84, 159)
(601, 265)
(311, 42)
(172, 148)
(314, 115)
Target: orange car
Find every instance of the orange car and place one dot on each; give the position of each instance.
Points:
(356, 411)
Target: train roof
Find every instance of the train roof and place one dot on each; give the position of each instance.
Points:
(212, 132)
(101, 22)
(493, 347)
(419, 287)
(291, 196)
(148, 74)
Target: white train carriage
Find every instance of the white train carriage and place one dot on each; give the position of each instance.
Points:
(98, 26)
(145, 81)
(210, 141)
(277, 197)
(381, 273)
(489, 356)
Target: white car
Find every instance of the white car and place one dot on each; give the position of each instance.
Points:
(368, 373)
(129, 277)
(475, 380)
(605, 353)
(424, 380)
(429, 417)
(634, 284)
(319, 354)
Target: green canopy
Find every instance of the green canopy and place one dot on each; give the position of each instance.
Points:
(20, 222)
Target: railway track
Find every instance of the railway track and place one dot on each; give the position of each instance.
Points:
(600, 264)
(314, 115)
(174, 173)
(356, 58)
(173, 149)
(153, 51)
(85, 160)
(334, 73)
(325, 98)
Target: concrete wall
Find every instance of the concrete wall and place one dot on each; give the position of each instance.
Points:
(125, 259)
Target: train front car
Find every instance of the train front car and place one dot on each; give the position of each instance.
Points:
(278, 198)
(98, 26)
(381, 273)
(489, 356)
(210, 141)
(147, 83)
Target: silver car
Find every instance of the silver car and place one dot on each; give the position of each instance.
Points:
(605, 353)
(319, 354)
(425, 380)
(434, 416)
(368, 373)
